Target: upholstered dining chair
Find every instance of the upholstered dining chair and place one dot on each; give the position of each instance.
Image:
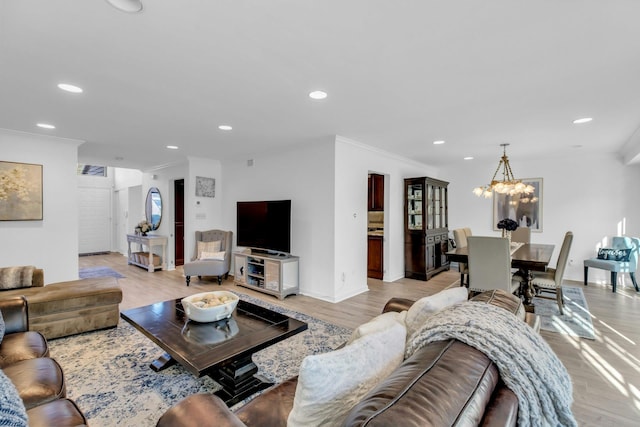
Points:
(614, 266)
(213, 255)
(521, 235)
(550, 281)
(490, 264)
(460, 237)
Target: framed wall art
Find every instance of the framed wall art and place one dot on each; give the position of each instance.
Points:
(20, 191)
(205, 187)
(525, 209)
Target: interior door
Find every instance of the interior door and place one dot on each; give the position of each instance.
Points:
(178, 214)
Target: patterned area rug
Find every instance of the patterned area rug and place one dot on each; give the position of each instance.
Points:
(91, 272)
(108, 374)
(576, 319)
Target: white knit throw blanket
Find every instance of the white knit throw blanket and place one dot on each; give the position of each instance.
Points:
(526, 363)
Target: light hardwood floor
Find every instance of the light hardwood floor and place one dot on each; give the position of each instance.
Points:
(605, 372)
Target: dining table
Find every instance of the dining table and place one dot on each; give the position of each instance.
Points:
(527, 257)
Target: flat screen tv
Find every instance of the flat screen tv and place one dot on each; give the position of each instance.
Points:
(265, 225)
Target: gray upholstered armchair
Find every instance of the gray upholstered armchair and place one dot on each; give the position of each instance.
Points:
(213, 255)
(608, 260)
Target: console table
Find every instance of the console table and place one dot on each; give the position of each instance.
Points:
(145, 258)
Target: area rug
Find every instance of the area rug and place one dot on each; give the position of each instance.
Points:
(108, 375)
(575, 320)
(92, 272)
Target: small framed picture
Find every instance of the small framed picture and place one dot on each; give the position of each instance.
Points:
(205, 187)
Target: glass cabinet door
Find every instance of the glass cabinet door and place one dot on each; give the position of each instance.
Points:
(414, 206)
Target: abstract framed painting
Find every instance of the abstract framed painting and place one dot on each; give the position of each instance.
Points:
(205, 187)
(525, 209)
(20, 191)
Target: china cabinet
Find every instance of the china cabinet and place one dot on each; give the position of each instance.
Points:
(426, 227)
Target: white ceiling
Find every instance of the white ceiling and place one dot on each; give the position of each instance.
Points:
(399, 74)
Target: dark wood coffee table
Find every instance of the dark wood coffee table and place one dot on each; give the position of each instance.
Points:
(221, 350)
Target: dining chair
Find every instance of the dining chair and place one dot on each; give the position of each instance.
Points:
(617, 266)
(551, 280)
(490, 264)
(521, 235)
(460, 237)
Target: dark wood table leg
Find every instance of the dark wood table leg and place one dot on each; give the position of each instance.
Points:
(239, 381)
(528, 292)
(162, 362)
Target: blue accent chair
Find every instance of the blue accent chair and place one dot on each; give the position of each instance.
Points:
(616, 267)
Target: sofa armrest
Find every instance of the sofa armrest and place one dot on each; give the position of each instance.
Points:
(397, 304)
(14, 314)
(199, 410)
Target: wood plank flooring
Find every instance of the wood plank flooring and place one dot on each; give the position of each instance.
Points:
(605, 372)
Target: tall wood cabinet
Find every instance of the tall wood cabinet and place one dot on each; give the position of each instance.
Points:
(426, 233)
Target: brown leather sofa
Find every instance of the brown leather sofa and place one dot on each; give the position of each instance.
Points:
(445, 383)
(68, 308)
(39, 380)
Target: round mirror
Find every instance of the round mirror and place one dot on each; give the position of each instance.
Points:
(153, 207)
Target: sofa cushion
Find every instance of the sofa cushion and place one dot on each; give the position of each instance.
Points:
(377, 324)
(12, 410)
(208, 247)
(22, 346)
(59, 413)
(16, 277)
(330, 384)
(425, 307)
(38, 380)
(212, 256)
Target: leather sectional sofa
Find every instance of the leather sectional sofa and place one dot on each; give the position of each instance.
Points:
(444, 383)
(38, 379)
(68, 308)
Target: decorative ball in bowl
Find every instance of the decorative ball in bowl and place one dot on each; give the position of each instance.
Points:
(210, 306)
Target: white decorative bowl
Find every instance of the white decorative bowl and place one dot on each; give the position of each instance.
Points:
(200, 307)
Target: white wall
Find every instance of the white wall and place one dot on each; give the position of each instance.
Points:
(202, 213)
(51, 244)
(306, 177)
(354, 161)
(591, 195)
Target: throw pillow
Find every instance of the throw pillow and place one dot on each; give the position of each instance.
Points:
(614, 254)
(208, 247)
(425, 307)
(330, 384)
(212, 256)
(12, 410)
(2, 327)
(378, 323)
(16, 277)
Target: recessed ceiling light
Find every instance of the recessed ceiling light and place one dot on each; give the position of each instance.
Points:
(438, 142)
(225, 127)
(131, 6)
(318, 94)
(46, 126)
(70, 88)
(468, 158)
(172, 147)
(582, 120)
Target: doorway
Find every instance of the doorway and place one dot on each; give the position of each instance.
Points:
(178, 215)
(375, 226)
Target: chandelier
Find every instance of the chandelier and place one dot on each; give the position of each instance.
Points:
(508, 185)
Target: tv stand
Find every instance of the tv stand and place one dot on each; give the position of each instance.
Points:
(271, 274)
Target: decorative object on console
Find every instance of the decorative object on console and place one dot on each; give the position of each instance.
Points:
(20, 192)
(144, 227)
(508, 185)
